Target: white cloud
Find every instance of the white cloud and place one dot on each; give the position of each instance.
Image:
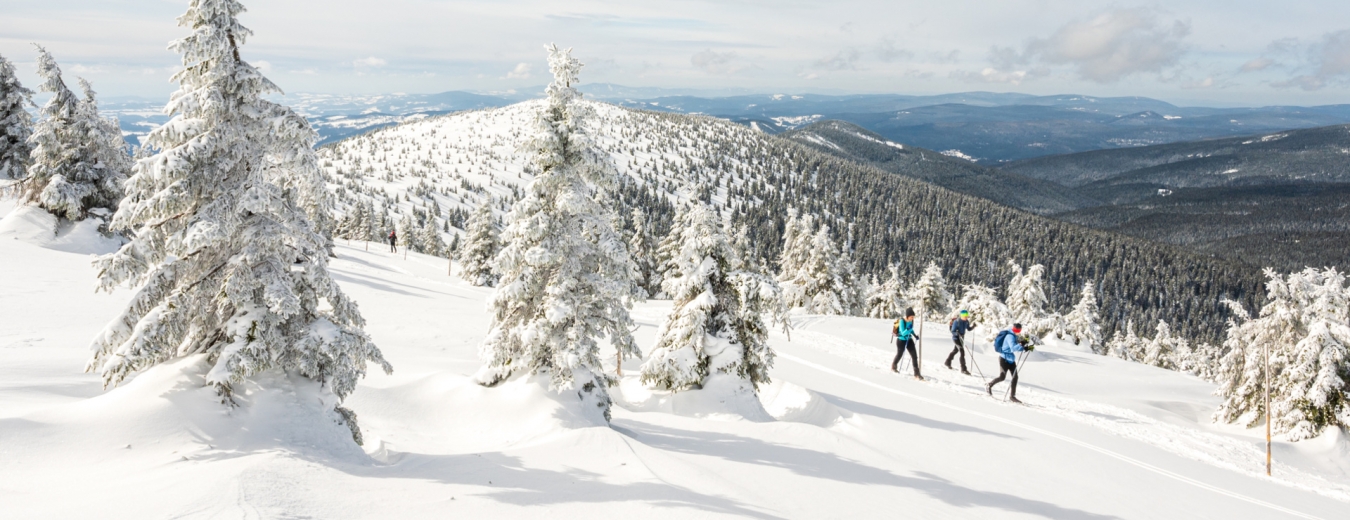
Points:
(846, 59)
(1329, 62)
(369, 62)
(1103, 49)
(887, 51)
(714, 62)
(1256, 65)
(1114, 44)
(262, 66)
(522, 71)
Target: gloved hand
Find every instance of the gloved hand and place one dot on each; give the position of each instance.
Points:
(1029, 348)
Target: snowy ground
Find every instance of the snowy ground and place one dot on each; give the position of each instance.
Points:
(1098, 438)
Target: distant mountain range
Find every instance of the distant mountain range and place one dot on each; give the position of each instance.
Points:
(990, 128)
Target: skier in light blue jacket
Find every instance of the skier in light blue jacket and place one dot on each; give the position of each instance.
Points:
(1008, 343)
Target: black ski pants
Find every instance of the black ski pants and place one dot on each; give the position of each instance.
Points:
(1008, 367)
(959, 348)
(393, 245)
(901, 345)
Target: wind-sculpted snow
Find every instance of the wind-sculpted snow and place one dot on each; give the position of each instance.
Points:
(843, 437)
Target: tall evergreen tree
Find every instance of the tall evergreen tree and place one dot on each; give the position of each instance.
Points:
(1164, 349)
(1083, 324)
(889, 300)
(79, 160)
(986, 310)
(1305, 328)
(930, 292)
(479, 248)
(642, 246)
(1027, 302)
(717, 325)
(1126, 345)
(566, 277)
(223, 258)
(16, 124)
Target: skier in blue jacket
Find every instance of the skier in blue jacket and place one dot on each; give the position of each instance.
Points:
(904, 340)
(1008, 343)
(959, 325)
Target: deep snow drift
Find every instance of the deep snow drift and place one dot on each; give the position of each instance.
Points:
(836, 435)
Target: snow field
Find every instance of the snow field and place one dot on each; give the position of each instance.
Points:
(844, 438)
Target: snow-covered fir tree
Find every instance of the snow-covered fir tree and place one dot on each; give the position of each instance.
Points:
(407, 233)
(1083, 324)
(642, 246)
(1027, 301)
(79, 160)
(565, 275)
(1305, 325)
(16, 124)
(985, 309)
(223, 259)
(480, 247)
(821, 285)
(717, 325)
(1165, 349)
(796, 245)
(889, 300)
(930, 292)
(430, 239)
(1126, 345)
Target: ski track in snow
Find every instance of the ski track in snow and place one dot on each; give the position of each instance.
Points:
(1216, 450)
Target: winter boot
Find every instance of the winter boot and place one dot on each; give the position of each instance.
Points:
(920, 378)
(989, 389)
(964, 371)
(1014, 399)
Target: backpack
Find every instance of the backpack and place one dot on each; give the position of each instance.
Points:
(998, 340)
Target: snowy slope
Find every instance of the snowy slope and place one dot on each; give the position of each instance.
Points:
(1099, 438)
(454, 161)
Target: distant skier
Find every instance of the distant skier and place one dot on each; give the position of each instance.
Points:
(959, 325)
(393, 241)
(1007, 344)
(904, 340)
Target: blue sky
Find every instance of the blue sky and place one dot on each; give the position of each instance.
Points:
(1232, 52)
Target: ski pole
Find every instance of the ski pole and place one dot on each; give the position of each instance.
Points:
(977, 366)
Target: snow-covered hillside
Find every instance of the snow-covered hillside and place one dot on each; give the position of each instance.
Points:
(1098, 437)
(453, 162)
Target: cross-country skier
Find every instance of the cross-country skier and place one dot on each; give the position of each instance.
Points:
(1007, 344)
(959, 325)
(904, 340)
(393, 241)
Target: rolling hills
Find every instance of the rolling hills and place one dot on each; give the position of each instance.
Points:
(435, 169)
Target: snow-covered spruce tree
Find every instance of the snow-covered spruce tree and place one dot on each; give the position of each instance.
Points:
(717, 325)
(986, 310)
(565, 276)
(1305, 325)
(797, 231)
(1083, 323)
(79, 160)
(16, 124)
(1027, 301)
(819, 285)
(930, 292)
(1163, 350)
(642, 246)
(889, 300)
(430, 240)
(480, 247)
(1125, 344)
(224, 260)
(407, 234)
